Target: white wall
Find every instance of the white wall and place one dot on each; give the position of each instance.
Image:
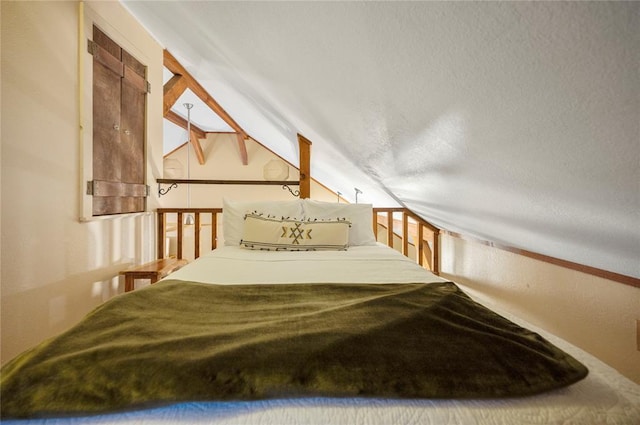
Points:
(592, 313)
(55, 268)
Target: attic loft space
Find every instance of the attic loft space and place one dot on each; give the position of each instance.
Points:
(548, 160)
(190, 114)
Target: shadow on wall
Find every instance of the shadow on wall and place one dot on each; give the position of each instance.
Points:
(590, 312)
(489, 292)
(30, 316)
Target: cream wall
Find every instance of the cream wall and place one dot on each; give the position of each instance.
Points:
(56, 268)
(223, 163)
(594, 314)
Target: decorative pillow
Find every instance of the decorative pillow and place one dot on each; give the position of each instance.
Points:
(273, 234)
(360, 215)
(233, 215)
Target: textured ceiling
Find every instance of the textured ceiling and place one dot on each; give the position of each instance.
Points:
(515, 122)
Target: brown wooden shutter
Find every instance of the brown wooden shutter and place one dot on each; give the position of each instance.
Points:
(119, 105)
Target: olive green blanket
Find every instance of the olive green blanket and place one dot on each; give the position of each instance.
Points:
(177, 341)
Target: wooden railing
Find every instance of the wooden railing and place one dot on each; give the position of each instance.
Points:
(399, 228)
(179, 214)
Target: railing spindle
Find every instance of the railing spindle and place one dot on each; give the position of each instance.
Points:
(390, 228)
(428, 252)
(160, 235)
(214, 230)
(179, 230)
(420, 244)
(196, 235)
(405, 234)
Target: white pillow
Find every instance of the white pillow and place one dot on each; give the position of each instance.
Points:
(233, 215)
(273, 234)
(360, 216)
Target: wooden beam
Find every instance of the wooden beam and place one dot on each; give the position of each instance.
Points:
(243, 149)
(305, 166)
(181, 122)
(196, 134)
(172, 64)
(173, 89)
(197, 148)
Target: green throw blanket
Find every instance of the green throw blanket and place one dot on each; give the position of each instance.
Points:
(178, 341)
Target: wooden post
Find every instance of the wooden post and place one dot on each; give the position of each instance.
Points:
(305, 167)
(375, 225)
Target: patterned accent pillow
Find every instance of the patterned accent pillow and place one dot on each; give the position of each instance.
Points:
(233, 215)
(285, 234)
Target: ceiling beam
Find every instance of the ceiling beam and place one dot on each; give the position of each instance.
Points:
(172, 64)
(243, 149)
(197, 148)
(173, 89)
(196, 134)
(181, 122)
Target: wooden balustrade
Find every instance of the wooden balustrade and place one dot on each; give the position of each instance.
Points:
(404, 231)
(179, 213)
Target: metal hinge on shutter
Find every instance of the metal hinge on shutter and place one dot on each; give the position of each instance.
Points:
(92, 47)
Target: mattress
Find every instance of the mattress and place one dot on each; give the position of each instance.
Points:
(359, 264)
(604, 396)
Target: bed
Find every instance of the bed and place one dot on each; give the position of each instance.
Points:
(308, 321)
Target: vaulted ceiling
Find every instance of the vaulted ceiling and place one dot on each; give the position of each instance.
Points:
(514, 122)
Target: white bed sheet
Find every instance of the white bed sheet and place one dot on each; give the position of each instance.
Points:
(603, 397)
(359, 264)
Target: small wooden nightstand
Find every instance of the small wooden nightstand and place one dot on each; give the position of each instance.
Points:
(154, 270)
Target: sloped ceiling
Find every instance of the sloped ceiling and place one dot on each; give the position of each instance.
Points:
(514, 122)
